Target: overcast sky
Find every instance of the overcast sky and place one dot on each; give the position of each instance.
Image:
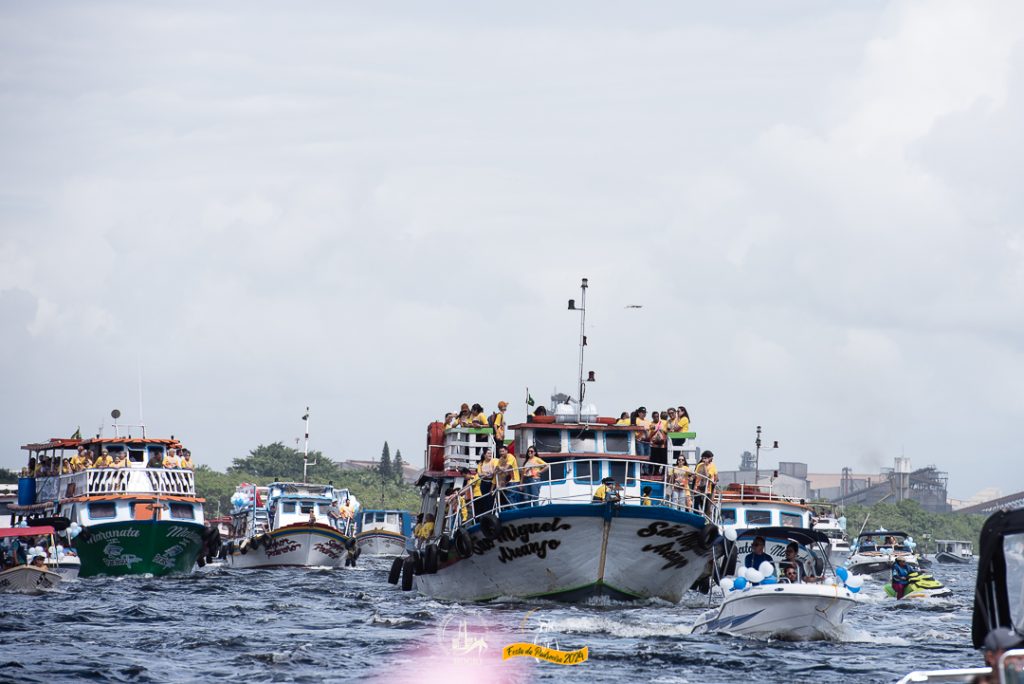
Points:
(380, 210)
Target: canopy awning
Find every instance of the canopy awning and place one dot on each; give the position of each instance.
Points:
(26, 531)
(883, 533)
(801, 535)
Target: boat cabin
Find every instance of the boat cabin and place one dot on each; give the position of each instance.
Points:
(280, 504)
(392, 520)
(747, 506)
(962, 549)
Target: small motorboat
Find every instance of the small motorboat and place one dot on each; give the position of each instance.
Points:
(873, 553)
(28, 579)
(761, 603)
(921, 585)
(954, 552)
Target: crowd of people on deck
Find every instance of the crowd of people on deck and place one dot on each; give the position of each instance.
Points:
(90, 458)
(517, 481)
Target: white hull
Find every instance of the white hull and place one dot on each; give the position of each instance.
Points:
(67, 567)
(571, 552)
(295, 545)
(379, 543)
(25, 579)
(875, 564)
(799, 612)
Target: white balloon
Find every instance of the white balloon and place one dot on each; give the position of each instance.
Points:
(730, 533)
(766, 569)
(855, 581)
(726, 584)
(754, 576)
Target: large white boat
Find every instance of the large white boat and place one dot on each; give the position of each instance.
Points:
(763, 603)
(291, 524)
(873, 553)
(832, 526)
(557, 541)
(384, 532)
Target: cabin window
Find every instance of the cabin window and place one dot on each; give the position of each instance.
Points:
(624, 473)
(183, 511)
(556, 471)
(137, 455)
(115, 450)
(587, 472)
(306, 507)
(583, 442)
(616, 442)
(547, 441)
(758, 518)
(98, 511)
(791, 520)
(378, 516)
(288, 507)
(392, 519)
(728, 516)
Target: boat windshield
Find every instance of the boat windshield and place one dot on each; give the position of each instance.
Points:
(1013, 548)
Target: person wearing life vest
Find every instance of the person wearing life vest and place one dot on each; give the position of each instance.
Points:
(607, 491)
(900, 576)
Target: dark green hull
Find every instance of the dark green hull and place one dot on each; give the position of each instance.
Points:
(138, 547)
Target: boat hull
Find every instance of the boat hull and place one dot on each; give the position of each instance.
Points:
(572, 552)
(380, 543)
(797, 612)
(138, 547)
(292, 546)
(952, 558)
(25, 579)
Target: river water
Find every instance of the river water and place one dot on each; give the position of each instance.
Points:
(294, 625)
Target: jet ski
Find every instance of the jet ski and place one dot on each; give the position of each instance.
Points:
(921, 585)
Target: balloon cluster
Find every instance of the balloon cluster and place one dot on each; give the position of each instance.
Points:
(241, 500)
(74, 529)
(852, 582)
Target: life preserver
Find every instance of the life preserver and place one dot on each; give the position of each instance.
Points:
(435, 445)
(396, 571)
(463, 543)
(490, 525)
(408, 568)
(430, 559)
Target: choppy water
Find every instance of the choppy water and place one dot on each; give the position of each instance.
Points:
(294, 625)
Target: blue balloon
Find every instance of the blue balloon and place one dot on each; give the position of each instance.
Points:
(853, 589)
(769, 580)
(739, 583)
(842, 573)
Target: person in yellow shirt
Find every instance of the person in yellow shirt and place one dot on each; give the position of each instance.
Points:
(104, 461)
(485, 471)
(643, 440)
(478, 417)
(623, 419)
(645, 496)
(706, 482)
(508, 476)
(186, 460)
(171, 459)
(607, 491)
(80, 460)
(426, 528)
(121, 461)
(533, 468)
(498, 422)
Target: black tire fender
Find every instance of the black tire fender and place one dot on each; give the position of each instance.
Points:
(463, 543)
(490, 525)
(417, 561)
(243, 548)
(408, 568)
(430, 559)
(708, 535)
(444, 544)
(396, 571)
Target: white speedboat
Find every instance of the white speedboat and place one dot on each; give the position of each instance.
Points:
(384, 532)
(873, 553)
(835, 529)
(759, 603)
(287, 524)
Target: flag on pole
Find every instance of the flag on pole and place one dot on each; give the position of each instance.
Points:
(529, 399)
(78, 433)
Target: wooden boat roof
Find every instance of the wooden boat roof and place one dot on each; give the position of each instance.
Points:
(26, 531)
(67, 443)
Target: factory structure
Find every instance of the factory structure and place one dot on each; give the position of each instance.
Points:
(927, 485)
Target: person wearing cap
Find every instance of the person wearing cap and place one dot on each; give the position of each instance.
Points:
(900, 576)
(607, 491)
(997, 642)
(104, 461)
(498, 422)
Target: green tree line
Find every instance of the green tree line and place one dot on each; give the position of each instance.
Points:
(908, 516)
(277, 462)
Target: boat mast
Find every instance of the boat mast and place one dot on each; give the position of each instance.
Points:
(305, 454)
(582, 308)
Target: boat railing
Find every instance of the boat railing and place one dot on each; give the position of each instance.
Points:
(465, 446)
(683, 491)
(111, 481)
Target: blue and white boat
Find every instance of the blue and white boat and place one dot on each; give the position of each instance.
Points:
(384, 532)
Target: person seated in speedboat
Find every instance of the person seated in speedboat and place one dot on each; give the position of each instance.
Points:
(38, 561)
(790, 574)
(757, 554)
(867, 545)
(900, 576)
(999, 641)
(792, 560)
(607, 491)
